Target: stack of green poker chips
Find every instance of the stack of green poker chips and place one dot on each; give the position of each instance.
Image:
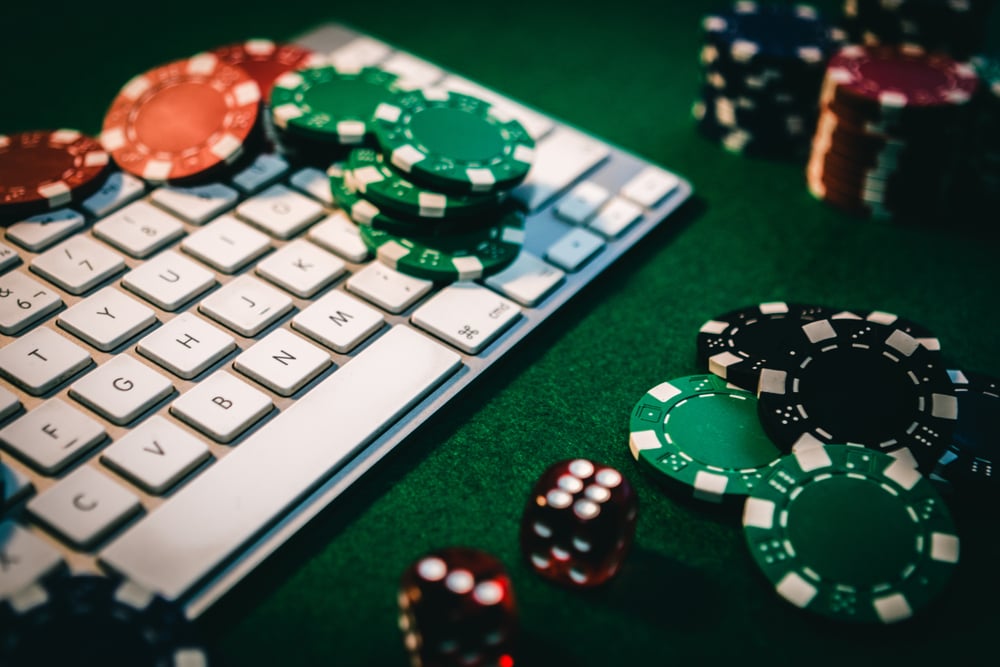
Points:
(433, 199)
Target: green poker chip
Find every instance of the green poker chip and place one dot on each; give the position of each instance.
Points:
(702, 434)
(453, 142)
(329, 104)
(364, 212)
(468, 256)
(380, 184)
(851, 533)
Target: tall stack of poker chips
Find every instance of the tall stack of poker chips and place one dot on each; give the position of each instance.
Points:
(762, 66)
(957, 27)
(891, 131)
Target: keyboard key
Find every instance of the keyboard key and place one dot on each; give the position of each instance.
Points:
(314, 183)
(280, 211)
(358, 53)
(167, 551)
(78, 264)
(535, 123)
(264, 170)
(197, 204)
(139, 229)
(615, 217)
(107, 319)
(338, 321)
(412, 72)
(168, 280)
(41, 360)
(40, 231)
(246, 305)
(339, 235)
(650, 186)
(560, 159)
(156, 455)
(8, 403)
(118, 190)
(388, 288)
(466, 315)
(582, 202)
(574, 249)
(528, 280)
(226, 244)
(52, 435)
(84, 507)
(186, 345)
(282, 362)
(24, 301)
(24, 558)
(222, 406)
(8, 258)
(301, 268)
(121, 389)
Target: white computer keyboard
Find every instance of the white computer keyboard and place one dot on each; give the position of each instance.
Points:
(190, 374)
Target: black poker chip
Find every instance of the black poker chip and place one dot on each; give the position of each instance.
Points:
(92, 621)
(924, 336)
(737, 344)
(854, 381)
(969, 466)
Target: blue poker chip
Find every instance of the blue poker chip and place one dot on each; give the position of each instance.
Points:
(761, 33)
(969, 465)
(92, 621)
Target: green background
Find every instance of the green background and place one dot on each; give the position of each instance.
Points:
(627, 71)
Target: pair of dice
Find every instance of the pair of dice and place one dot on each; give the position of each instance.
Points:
(457, 605)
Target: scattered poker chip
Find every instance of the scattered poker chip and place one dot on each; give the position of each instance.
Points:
(91, 621)
(704, 435)
(851, 534)
(46, 169)
(379, 183)
(854, 381)
(182, 120)
(921, 333)
(467, 256)
(329, 104)
(265, 60)
(969, 466)
(737, 344)
(453, 142)
(364, 212)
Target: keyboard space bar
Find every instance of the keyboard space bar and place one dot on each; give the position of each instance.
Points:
(191, 534)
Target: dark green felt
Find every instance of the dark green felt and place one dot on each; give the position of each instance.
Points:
(689, 594)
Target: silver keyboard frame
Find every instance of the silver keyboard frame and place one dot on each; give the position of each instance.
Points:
(543, 228)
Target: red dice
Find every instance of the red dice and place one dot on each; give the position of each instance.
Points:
(579, 523)
(457, 610)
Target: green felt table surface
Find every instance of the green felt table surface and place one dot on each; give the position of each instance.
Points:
(626, 71)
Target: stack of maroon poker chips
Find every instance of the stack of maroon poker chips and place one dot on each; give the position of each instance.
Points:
(890, 131)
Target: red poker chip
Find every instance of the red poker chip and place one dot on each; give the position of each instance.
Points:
(46, 169)
(890, 79)
(265, 61)
(182, 119)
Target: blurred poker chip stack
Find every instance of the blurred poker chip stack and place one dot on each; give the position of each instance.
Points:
(957, 27)
(763, 65)
(985, 163)
(891, 131)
